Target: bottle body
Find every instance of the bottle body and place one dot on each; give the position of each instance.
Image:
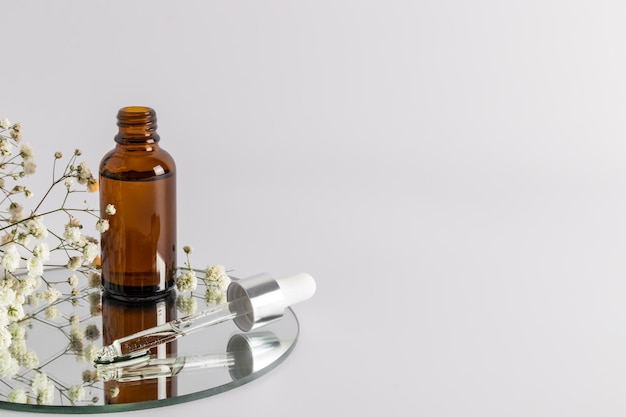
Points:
(138, 178)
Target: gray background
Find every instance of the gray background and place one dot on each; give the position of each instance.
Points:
(451, 172)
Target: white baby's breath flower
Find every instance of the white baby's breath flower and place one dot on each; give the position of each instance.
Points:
(74, 263)
(10, 281)
(52, 312)
(90, 251)
(76, 393)
(15, 133)
(15, 312)
(94, 280)
(26, 151)
(76, 333)
(90, 352)
(36, 227)
(69, 182)
(51, 295)
(5, 337)
(46, 397)
(187, 281)
(74, 320)
(34, 266)
(216, 275)
(7, 296)
(5, 147)
(29, 360)
(18, 348)
(17, 396)
(30, 167)
(72, 234)
(43, 389)
(215, 295)
(73, 280)
(110, 210)
(20, 298)
(4, 319)
(5, 124)
(22, 239)
(16, 211)
(39, 382)
(10, 259)
(42, 251)
(102, 225)
(28, 285)
(186, 304)
(8, 364)
(76, 341)
(83, 173)
(89, 375)
(95, 303)
(17, 331)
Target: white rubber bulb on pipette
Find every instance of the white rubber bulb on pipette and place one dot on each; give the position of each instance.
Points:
(296, 288)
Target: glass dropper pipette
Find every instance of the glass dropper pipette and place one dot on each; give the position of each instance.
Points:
(252, 302)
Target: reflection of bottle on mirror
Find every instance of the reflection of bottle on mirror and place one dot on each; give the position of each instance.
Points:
(121, 318)
(138, 178)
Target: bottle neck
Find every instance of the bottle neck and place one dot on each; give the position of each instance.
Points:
(137, 125)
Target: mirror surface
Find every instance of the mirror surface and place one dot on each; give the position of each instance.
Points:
(65, 335)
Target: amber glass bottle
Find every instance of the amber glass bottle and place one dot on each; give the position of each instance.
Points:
(138, 178)
(122, 318)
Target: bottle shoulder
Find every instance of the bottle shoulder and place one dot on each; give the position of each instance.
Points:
(136, 163)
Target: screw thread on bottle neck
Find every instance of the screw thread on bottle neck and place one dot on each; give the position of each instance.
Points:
(136, 124)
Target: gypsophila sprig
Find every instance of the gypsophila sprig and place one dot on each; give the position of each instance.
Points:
(215, 280)
(28, 246)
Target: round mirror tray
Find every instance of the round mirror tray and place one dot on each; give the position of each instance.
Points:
(56, 342)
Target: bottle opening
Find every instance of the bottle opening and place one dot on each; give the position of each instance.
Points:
(136, 115)
(136, 109)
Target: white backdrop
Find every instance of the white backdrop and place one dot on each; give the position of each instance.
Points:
(450, 171)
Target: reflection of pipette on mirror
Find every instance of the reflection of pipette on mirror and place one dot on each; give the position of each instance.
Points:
(251, 303)
(245, 354)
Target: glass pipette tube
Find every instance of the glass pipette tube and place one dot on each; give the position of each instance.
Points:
(252, 302)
